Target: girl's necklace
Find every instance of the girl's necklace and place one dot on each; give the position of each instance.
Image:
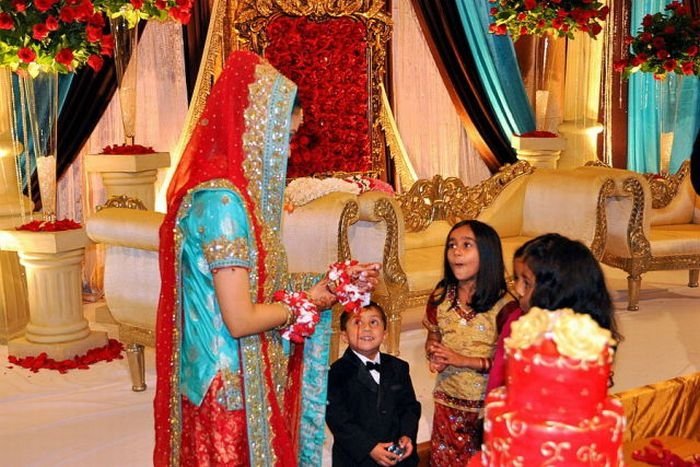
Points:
(467, 314)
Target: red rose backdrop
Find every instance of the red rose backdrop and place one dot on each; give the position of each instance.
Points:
(328, 62)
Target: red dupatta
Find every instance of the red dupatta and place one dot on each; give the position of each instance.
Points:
(220, 149)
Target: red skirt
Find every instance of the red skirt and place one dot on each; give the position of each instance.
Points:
(456, 436)
(211, 434)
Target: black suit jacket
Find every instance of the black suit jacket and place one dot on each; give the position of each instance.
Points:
(362, 413)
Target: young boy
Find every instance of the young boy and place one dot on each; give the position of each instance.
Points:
(372, 408)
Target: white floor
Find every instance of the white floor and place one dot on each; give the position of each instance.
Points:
(92, 418)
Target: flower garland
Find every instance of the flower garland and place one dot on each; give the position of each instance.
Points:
(50, 226)
(303, 315)
(539, 17)
(328, 62)
(665, 43)
(127, 149)
(52, 35)
(111, 351)
(351, 295)
(303, 190)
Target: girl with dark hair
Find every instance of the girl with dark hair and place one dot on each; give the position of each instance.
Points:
(553, 272)
(461, 318)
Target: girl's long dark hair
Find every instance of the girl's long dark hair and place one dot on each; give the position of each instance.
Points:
(568, 276)
(490, 279)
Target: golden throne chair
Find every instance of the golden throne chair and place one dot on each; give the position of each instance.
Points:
(663, 234)
(315, 235)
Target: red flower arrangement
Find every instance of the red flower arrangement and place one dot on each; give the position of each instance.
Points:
(50, 226)
(539, 17)
(657, 454)
(52, 35)
(328, 62)
(111, 351)
(666, 43)
(128, 149)
(539, 134)
(135, 10)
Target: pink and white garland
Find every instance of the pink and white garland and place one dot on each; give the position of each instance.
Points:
(303, 312)
(350, 294)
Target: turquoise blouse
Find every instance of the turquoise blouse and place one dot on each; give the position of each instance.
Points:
(216, 234)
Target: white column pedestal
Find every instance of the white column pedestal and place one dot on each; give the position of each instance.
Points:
(53, 261)
(538, 152)
(133, 175)
(581, 142)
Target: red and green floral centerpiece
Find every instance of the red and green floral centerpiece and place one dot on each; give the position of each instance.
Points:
(52, 36)
(540, 17)
(667, 42)
(135, 10)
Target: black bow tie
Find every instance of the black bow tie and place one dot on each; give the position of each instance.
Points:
(373, 366)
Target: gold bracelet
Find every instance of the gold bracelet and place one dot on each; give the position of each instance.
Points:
(290, 316)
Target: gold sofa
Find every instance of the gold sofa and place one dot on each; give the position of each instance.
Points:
(663, 233)
(314, 236)
(518, 201)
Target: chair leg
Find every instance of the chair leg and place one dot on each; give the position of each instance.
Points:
(634, 283)
(137, 367)
(693, 277)
(394, 330)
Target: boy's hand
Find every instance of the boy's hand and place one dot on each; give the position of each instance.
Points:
(383, 457)
(407, 445)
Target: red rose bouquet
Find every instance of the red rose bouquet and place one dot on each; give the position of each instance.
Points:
(666, 43)
(52, 35)
(135, 10)
(538, 17)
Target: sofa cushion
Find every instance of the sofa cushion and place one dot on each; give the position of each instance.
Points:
(505, 214)
(681, 239)
(434, 235)
(562, 201)
(424, 267)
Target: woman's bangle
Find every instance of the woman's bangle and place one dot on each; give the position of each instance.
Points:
(290, 316)
(434, 328)
(304, 315)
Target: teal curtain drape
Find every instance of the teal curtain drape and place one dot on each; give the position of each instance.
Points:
(497, 68)
(657, 107)
(41, 95)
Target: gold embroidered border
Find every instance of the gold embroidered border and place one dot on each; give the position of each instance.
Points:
(222, 249)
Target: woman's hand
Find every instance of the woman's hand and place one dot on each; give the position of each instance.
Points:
(366, 275)
(321, 296)
(440, 354)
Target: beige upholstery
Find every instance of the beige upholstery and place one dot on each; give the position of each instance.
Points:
(519, 202)
(314, 235)
(663, 234)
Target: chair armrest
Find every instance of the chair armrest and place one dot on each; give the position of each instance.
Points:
(125, 227)
(378, 235)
